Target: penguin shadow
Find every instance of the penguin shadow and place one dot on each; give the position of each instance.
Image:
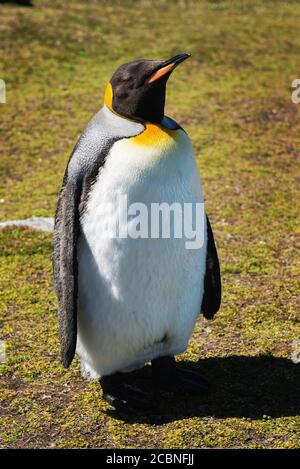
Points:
(240, 386)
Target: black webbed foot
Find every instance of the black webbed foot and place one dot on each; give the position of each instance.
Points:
(124, 396)
(171, 376)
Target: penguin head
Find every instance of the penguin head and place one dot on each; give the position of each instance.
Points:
(137, 90)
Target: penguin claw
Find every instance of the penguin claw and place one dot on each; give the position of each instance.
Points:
(192, 382)
(170, 376)
(127, 401)
(182, 382)
(126, 397)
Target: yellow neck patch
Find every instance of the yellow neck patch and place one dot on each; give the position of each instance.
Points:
(156, 134)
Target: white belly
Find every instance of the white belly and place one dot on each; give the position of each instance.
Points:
(138, 299)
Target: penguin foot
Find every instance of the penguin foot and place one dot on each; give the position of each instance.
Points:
(170, 376)
(124, 396)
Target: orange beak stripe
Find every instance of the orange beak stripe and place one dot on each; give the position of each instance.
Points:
(161, 72)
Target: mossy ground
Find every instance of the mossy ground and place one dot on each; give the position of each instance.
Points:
(233, 97)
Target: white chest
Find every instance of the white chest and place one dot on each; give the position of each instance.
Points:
(137, 292)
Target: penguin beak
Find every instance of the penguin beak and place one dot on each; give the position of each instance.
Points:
(167, 67)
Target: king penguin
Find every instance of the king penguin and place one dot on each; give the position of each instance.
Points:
(123, 301)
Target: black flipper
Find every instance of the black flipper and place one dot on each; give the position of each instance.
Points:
(65, 266)
(88, 156)
(212, 281)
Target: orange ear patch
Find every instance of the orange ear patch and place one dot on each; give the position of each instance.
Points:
(161, 72)
(108, 96)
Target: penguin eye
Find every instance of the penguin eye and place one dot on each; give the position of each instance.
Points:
(121, 94)
(128, 85)
(126, 77)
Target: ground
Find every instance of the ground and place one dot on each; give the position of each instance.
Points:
(234, 98)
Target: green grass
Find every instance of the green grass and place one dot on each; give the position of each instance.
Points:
(233, 98)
